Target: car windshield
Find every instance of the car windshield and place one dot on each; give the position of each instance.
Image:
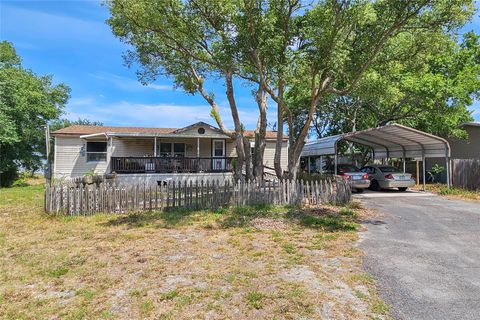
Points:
(348, 168)
(388, 169)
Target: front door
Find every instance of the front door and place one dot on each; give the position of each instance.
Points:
(218, 155)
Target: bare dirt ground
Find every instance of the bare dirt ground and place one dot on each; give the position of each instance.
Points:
(262, 262)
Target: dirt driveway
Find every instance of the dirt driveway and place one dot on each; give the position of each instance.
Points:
(425, 252)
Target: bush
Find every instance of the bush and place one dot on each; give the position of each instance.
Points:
(8, 176)
(21, 182)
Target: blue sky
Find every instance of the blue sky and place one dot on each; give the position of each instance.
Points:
(70, 40)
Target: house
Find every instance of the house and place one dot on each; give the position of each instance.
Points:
(151, 154)
(469, 148)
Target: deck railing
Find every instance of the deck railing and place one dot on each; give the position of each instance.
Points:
(171, 164)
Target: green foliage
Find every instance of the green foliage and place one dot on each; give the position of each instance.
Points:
(63, 123)
(90, 173)
(429, 86)
(27, 103)
(434, 171)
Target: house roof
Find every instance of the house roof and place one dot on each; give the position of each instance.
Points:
(79, 130)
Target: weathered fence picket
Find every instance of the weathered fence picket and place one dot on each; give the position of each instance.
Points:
(466, 173)
(77, 199)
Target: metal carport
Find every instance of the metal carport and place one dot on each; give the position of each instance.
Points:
(389, 141)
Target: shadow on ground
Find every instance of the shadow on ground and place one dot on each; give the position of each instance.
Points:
(328, 218)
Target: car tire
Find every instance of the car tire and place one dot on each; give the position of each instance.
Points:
(375, 186)
(403, 189)
(360, 190)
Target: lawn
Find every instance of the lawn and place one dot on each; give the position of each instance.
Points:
(249, 262)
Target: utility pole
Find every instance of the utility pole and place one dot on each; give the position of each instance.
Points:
(48, 171)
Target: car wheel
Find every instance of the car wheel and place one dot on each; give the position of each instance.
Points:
(360, 190)
(374, 185)
(403, 189)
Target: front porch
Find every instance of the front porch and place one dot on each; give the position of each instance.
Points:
(167, 164)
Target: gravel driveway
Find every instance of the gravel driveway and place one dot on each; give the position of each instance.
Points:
(425, 253)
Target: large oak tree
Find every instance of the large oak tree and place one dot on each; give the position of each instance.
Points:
(277, 46)
(27, 103)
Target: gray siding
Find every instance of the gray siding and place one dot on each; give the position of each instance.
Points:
(69, 162)
(467, 149)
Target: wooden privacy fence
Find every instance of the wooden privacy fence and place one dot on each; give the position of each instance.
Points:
(108, 198)
(466, 173)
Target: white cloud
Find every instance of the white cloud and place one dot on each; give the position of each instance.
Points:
(154, 115)
(128, 84)
(160, 86)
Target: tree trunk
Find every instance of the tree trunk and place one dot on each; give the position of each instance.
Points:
(239, 134)
(260, 135)
(248, 159)
(279, 142)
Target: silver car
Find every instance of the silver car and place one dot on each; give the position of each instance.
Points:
(386, 177)
(350, 172)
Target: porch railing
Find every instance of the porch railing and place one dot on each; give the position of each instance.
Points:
(171, 164)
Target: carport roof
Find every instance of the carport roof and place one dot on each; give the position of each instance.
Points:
(388, 141)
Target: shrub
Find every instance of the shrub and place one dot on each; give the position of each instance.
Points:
(8, 176)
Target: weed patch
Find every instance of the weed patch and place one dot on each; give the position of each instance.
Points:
(255, 298)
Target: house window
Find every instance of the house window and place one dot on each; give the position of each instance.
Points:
(165, 149)
(170, 149)
(96, 151)
(201, 131)
(219, 148)
(179, 149)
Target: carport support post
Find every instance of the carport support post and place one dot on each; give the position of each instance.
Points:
(404, 164)
(447, 167)
(424, 170)
(335, 163)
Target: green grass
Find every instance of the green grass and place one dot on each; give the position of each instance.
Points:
(146, 307)
(255, 298)
(169, 295)
(289, 248)
(22, 197)
(454, 192)
(328, 223)
(468, 194)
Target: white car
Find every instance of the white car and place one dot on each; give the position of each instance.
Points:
(386, 177)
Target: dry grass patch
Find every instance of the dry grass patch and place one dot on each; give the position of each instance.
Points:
(243, 263)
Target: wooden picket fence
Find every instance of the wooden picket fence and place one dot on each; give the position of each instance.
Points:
(466, 173)
(74, 199)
